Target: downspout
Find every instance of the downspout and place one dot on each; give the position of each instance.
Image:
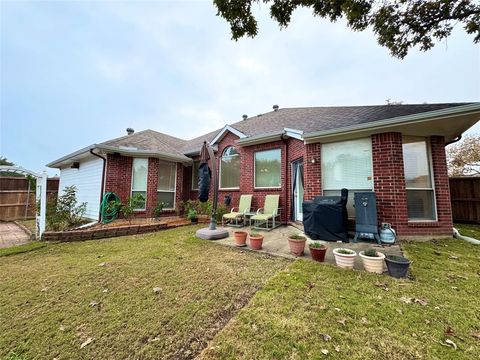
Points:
(103, 181)
(285, 188)
(457, 235)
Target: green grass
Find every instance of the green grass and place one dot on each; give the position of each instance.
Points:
(18, 249)
(286, 318)
(45, 296)
(469, 230)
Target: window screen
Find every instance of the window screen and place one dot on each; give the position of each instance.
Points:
(268, 168)
(167, 174)
(139, 180)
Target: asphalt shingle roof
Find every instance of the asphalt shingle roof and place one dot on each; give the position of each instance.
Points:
(306, 119)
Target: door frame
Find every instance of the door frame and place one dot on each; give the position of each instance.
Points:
(297, 216)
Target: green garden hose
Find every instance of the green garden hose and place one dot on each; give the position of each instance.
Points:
(109, 207)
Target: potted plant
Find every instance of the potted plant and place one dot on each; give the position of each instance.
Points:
(192, 216)
(344, 258)
(318, 251)
(372, 260)
(240, 238)
(297, 244)
(397, 265)
(256, 240)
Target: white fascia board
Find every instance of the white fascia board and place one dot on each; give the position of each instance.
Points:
(222, 132)
(294, 133)
(259, 139)
(57, 163)
(400, 120)
(144, 153)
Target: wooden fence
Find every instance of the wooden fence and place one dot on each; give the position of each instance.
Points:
(465, 196)
(16, 202)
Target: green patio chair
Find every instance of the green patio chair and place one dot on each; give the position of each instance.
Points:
(265, 219)
(244, 207)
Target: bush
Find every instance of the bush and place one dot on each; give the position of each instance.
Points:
(192, 214)
(157, 211)
(63, 212)
(134, 202)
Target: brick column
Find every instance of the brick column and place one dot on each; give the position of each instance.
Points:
(118, 175)
(442, 187)
(312, 171)
(152, 185)
(389, 179)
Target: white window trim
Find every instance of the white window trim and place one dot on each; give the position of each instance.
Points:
(432, 180)
(136, 190)
(220, 172)
(193, 171)
(371, 167)
(170, 191)
(255, 172)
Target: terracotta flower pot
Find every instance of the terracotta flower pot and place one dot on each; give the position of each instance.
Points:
(344, 260)
(373, 264)
(318, 254)
(256, 242)
(240, 238)
(297, 246)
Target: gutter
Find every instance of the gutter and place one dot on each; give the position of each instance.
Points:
(400, 120)
(103, 181)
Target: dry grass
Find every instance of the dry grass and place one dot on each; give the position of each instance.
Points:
(55, 298)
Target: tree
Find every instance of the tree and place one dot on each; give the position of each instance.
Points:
(399, 25)
(463, 157)
(4, 161)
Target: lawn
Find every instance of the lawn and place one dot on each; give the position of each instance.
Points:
(101, 294)
(232, 304)
(309, 309)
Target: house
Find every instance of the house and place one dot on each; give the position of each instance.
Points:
(398, 151)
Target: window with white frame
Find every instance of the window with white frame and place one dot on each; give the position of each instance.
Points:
(195, 166)
(347, 164)
(418, 179)
(139, 181)
(268, 169)
(167, 175)
(230, 169)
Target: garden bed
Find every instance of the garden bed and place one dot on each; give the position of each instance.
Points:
(120, 227)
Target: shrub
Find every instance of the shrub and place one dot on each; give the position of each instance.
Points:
(63, 212)
(134, 202)
(317, 245)
(192, 214)
(221, 210)
(297, 237)
(157, 211)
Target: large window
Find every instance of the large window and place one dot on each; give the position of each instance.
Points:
(268, 169)
(418, 179)
(195, 166)
(139, 180)
(167, 174)
(230, 169)
(347, 164)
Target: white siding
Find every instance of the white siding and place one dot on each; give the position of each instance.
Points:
(88, 180)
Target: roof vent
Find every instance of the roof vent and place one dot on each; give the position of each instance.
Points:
(245, 116)
(275, 107)
(130, 131)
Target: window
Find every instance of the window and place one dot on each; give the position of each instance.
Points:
(268, 169)
(418, 179)
(347, 164)
(195, 166)
(230, 169)
(167, 176)
(139, 180)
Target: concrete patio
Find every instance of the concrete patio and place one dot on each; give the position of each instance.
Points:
(275, 243)
(11, 234)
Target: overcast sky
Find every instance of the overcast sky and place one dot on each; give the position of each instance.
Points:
(78, 73)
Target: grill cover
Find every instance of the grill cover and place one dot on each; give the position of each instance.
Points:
(326, 217)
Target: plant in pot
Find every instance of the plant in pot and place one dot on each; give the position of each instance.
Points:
(192, 216)
(397, 265)
(318, 251)
(344, 258)
(372, 260)
(297, 244)
(240, 238)
(256, 240)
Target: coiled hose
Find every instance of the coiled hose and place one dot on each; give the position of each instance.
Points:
(109, 208)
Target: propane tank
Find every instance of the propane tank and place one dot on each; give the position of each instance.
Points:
(387, 234)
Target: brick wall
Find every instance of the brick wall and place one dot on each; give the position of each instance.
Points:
(296, 151)
(313, 171)
(118, 179)
(389, 184)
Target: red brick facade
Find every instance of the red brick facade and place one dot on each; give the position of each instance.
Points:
(389, 182)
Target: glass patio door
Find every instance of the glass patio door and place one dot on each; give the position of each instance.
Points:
(297, 182)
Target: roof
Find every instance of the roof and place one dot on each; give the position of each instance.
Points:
(296, 121)
(149, 140)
